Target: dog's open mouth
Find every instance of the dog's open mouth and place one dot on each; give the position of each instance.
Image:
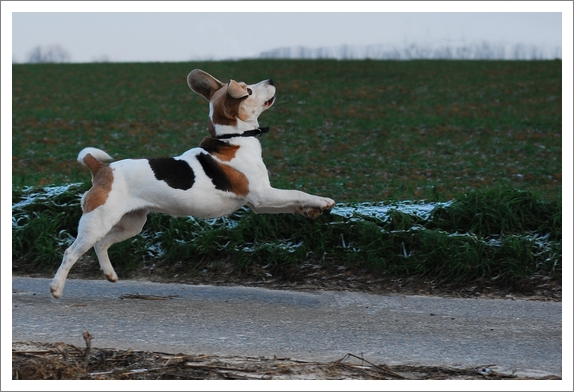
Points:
(270, 102)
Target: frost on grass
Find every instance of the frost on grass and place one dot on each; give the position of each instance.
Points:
(414, 236)
(31, 195)
(381, 210)
(31, 199)
(288, 246)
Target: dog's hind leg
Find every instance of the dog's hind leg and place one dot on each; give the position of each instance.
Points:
(93, 227)
(130, 225)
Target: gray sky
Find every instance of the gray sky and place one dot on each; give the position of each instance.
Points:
(184, 36)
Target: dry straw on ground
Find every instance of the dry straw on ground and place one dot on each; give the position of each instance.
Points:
(60, 361)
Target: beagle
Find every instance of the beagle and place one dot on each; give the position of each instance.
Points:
(220, 176)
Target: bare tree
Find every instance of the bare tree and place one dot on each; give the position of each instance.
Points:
(49, 54)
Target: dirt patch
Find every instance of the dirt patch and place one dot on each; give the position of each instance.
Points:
(310, 277)
(60, 361)
(313, 277)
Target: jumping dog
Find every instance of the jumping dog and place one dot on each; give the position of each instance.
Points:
(220, 176)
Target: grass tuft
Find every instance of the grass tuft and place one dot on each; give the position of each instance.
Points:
(500, 211)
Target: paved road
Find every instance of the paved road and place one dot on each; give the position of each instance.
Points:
(523, 336)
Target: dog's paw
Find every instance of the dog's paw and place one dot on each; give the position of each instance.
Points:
(56, 290)
(311, 212)
(111, 276)
(324, 204)
(329, 203)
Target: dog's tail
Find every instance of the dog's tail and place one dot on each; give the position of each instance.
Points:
(92, 158)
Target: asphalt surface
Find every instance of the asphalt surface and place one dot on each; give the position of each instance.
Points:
(517, 336)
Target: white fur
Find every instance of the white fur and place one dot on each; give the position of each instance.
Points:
(135, 191)
(96, 153)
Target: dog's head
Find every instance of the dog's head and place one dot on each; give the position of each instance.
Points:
(235, 106)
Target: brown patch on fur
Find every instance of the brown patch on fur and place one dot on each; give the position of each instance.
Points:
(92, 163)
(239, 182)
(102, 179)
(225, 108)
(222, 150)
(243, 116)
(223, 176)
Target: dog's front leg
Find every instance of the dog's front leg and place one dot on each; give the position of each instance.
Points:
(277, 201)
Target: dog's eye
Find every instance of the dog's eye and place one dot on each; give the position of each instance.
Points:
(249, 91)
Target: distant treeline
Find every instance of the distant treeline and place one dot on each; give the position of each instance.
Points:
(462, 51)
(478, 51)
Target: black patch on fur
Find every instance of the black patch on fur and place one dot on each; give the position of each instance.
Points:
(176, 173)
(212, 145)
(215, 172)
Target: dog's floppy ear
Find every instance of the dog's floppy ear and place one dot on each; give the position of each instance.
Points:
(202, 83)
(235, 90)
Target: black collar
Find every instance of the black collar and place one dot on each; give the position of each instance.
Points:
(254, 132)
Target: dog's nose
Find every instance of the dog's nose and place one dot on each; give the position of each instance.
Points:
(270, 81)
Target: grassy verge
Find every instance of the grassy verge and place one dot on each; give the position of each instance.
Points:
(501, 236)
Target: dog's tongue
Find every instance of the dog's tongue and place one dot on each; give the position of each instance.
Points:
(270, 102)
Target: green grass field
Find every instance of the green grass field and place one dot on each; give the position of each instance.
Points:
(352, 130)
(379, 137)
